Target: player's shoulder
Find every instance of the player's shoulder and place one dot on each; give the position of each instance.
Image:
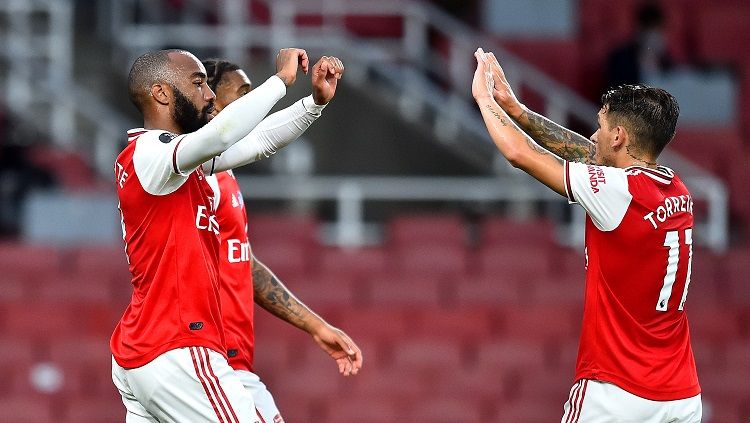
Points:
(151, 136)
(661, 175)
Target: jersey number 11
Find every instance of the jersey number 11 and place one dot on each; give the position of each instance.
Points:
(672, 241)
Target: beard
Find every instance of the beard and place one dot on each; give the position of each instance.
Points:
(187, 117)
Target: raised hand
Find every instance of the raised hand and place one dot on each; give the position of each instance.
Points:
(502, 92)
(325, 75)
(482, 85)
(288, 61)
(340, 347)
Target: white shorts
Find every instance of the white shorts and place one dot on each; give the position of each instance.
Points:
(191, 384)
(264, 403)
(593, 401)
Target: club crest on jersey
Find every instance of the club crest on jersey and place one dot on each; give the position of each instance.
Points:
(596, 177)
(167, 137)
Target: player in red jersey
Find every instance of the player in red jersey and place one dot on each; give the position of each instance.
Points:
(635, 362)
(169, 358)
(244, 278)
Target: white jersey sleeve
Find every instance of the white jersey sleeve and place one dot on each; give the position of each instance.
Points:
(235, 122)
(601, 190)
(153, 160)
(272, 134)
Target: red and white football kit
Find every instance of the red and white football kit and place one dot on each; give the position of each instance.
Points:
(169, 360)
(235, 264)
(639, 235)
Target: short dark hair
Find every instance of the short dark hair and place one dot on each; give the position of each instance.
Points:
(148, 69)
(215, 69)
(649, 114)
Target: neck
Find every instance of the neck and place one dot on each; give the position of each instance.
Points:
(638, 161)
(161, 122)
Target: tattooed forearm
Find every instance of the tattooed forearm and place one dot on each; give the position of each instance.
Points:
(272, 295)
(505, 121)
(560, 141)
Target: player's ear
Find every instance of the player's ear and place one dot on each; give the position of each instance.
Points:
(621, 136)
(161, 93)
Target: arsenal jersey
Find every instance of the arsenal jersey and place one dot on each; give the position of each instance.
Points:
(639, 247)
(172, 245)
(235, 270)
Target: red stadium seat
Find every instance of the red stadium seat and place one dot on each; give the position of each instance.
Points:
(27, 409)
(487, 290)
(431, 259)
(94, 410)
(327, 290)
(431, 229)
(447, 409)
(359, 261)
(365, 409)
(540, 323)
(427, 353)
(267, 227)
(500, 356)
(503, 230)
(466, 324)
(29, 260)
(285, 257)
(520, 263)
(379, 323)
(722, 31)
(407, 290)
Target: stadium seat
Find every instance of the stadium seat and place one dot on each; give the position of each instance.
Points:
(539, 323)
(377, 322)
(27, 409)
(268, 227)
(90, 377)
(431, 259)
(29, 260)
(504, 230)
(463, 325)
(365, 409)
(75, 288)
(427, 353)
(359, 261)
(285, 257)
(725, 45)
(327, 290)
(94, 410)
(487, 290)
(426, 229)
(447, 409)
(520, 263)
(407, 290)
(500, 356)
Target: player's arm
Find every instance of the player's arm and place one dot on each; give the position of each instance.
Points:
(273, 295)
(517, 147)
(555, 138)
(285, 126)
(239, 118)
(274, 133)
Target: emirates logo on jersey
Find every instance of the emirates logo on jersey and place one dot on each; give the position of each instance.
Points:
(205, 220)
(596, 178)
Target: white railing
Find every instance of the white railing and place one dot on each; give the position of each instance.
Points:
(430, 87)
(39, 83)
(350, 193)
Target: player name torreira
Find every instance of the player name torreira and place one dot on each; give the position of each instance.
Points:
(672, 205)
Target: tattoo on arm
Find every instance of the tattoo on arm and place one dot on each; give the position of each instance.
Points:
(505, 121)
(272, 295)
(558, 140)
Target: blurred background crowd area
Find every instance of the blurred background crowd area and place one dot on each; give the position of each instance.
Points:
(395, 218)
